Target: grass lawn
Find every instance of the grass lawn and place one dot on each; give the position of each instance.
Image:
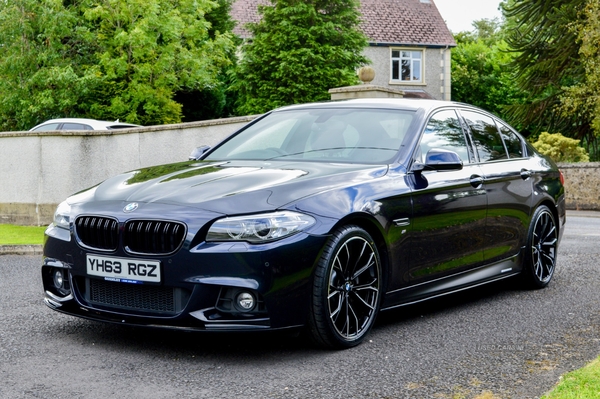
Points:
(579, 384)
(21, 235)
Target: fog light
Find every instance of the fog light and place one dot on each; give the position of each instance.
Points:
(58, 279)
(61, 281)
(245, 302)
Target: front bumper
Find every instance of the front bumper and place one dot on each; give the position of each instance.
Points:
(198, 285)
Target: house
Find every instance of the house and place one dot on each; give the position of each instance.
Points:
(409, 43)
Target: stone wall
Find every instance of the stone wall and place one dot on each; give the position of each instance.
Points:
(582, 185)
(38, 170)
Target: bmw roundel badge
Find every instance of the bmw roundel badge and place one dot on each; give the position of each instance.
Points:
(130, 207)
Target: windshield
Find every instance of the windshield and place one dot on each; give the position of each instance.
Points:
(328, 135)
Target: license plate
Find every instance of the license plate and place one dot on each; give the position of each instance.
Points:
(124, 270)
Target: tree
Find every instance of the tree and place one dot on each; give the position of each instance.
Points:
(150, 49)
(300, 49)
(479, 69)
(105, 59)
(547, 61)
(555, 65)
(216, 100)
(39, 42)
(583, 98)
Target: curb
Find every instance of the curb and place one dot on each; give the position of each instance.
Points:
(583, 214)
(21, 250)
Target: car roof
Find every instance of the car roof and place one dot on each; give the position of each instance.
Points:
(96, 124)
(410, 104)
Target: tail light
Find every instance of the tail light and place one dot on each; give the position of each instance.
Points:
(562, 177)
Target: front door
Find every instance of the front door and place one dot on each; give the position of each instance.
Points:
(449, 207)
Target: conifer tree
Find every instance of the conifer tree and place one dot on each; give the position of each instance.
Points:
(299, 50)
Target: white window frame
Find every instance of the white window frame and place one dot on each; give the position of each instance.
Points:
(414, 62)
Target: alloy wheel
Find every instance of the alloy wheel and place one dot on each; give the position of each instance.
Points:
(543, 247)
(354, 288)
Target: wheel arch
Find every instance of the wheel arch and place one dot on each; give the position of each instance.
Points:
(553, 209)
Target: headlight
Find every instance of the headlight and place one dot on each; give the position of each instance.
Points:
(62, 216)
(258, 229)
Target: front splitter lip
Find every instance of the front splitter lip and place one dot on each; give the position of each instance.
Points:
(193, 321)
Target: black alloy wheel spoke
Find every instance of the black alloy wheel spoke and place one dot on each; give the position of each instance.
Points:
(370, 263)
(364, 301)
(354, 316)
(333, 315)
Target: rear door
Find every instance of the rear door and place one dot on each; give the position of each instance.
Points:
(508, 185)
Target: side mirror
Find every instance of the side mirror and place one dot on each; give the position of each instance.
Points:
(198, 152)
(439, 159)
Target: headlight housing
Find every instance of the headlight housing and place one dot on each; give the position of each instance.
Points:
(258, 229)
(62, 216)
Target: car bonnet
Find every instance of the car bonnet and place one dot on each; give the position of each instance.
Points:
(231, 187)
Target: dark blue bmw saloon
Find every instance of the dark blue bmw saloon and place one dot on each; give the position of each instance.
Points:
(314, 216)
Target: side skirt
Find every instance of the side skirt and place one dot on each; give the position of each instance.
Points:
(448, 285)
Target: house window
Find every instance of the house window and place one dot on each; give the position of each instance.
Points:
(407, 66)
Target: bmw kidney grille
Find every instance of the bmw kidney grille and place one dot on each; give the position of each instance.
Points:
(156, 237)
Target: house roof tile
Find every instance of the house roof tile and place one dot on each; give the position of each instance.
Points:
(400, 22)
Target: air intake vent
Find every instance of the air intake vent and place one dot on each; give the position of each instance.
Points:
(98, 232)
(144, 298)
(153, 236)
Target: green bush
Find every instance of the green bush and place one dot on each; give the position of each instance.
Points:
(561, 148)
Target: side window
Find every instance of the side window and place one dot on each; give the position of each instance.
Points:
(443, 131)
(75, 126)
(48, 127)
(486, 136)
(513, 143)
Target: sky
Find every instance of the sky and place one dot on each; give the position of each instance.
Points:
(459, 14)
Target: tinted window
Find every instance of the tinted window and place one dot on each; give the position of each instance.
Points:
(443, 131)
(486, 137)
(44, 128)
(513, 143)
(75, 126)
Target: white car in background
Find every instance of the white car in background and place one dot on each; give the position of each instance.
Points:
(80, 124)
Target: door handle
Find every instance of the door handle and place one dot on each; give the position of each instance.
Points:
(526, 174)
(476, 181)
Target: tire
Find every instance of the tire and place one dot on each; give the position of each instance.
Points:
(346, 290)
(540, 252)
